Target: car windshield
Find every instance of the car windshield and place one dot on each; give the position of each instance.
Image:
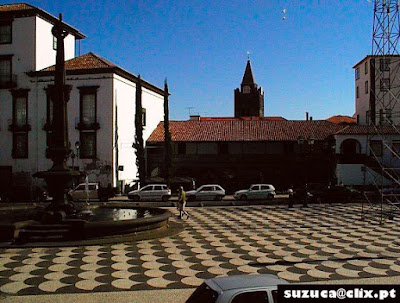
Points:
(203, 294)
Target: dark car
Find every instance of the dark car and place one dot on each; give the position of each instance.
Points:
(335, 193)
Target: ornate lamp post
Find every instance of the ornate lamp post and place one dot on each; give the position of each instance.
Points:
(58, 176)
(307, 145)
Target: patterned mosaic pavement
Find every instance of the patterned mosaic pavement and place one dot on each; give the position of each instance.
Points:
(316, 243)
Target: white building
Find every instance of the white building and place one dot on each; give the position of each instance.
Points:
(373, 76)
(101, 108)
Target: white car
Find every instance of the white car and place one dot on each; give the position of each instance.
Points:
(151, 192)
(206, 192)
(91, 191)
(238, 289)
(256, 192)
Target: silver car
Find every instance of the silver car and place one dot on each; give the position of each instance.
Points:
(238, 289)
(206, 192)
(151, 192)
(256, 192)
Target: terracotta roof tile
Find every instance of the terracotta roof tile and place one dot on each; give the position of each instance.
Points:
(357, 129)
(87, 61)
(341, 119)
(239, 130)
(242, 118)
(15, 7)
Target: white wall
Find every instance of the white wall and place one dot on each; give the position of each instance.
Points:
(362, 102)
(124, 98)
(353, 174)
(45, 54)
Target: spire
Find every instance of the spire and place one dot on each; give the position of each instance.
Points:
(248, 75)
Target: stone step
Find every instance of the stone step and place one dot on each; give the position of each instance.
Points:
(47, 227)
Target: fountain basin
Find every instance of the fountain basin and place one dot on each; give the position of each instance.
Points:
(93, 224)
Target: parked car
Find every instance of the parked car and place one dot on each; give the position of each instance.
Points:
(256, 191)
(238, 289)
(206, 192)
(94, 192)
(151, 192)
(335, 193)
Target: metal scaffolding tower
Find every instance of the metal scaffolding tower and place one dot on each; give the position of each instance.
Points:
(383, 119)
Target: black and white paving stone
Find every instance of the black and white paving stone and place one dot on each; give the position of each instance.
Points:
(302, 244)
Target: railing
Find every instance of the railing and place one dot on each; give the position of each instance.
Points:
(12, 126)
(81, 125)
(9, 82)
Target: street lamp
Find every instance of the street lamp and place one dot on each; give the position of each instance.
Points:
(77, 147)
(306, 144)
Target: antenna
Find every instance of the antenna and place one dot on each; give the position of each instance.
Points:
(189, 108)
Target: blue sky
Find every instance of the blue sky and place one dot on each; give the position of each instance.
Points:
(304, 63)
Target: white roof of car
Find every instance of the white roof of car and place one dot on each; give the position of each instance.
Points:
(246, 281)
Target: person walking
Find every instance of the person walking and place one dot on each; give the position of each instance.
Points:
(182, 203)
(290, 192)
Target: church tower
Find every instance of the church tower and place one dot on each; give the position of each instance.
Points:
(249, 99)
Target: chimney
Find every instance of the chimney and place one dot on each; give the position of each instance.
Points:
(306, 116)
(310, 118)
(194, 118)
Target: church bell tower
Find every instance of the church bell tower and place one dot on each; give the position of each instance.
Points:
(249, 99)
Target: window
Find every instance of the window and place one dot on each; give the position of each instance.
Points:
(5, 32)
(147, 188)
(88, 145)
(158, 187)
(357, 73)
(54, 43)
(49, 109)
(20, 145)
(366, 87)
(366, 67)
(5, 71)
(376, 148)
(246, 89)
(253, 296)
(265, 187)
(255, 187)
(88, 108)
(357, 92)
(385, 84)
(384, 64)
(20, 118)
(143, 116)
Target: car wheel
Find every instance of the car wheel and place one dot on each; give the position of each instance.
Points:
(270, 197)
(164, 198)
(243, 197)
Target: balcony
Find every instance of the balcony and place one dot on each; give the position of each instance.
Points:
(81, 125)
(14, 127)
(8, 82)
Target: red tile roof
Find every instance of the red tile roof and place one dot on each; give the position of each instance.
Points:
(242, 118)
(87, 61)
(239, 130)
(15, 7)
(357, 129)
(341, 119)
(91, 63)
(17, 10)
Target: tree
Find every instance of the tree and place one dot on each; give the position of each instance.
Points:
(167, 139)
(139, 143)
